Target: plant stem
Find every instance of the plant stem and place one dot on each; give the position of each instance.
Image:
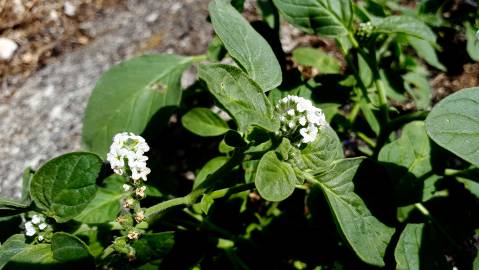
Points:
(199, 58)
(205, 187)
(366, 139)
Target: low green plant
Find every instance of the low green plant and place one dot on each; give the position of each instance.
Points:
(321, 170)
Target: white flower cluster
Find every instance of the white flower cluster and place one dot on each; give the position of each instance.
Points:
(36, 225)
(300, 119)
(365, 29)
(126, 156)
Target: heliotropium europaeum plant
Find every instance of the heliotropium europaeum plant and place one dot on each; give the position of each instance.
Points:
(279, 160)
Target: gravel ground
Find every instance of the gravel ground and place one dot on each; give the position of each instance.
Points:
(43, 118)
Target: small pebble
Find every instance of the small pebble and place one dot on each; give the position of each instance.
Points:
(7, 48)
(69, 9)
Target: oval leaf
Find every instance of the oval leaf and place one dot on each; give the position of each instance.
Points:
(128, 95)
(245, 45)
(367, 236)
(65, 185)
(239, 95)
(69, 248)
(404, 25)
(275, 180)
(204, 122)
(325, 17)
(454, 124)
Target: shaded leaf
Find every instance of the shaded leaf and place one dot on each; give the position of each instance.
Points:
(408, 161)
(367, 236)
(472, 42)
(321, 61)
(204, 122)
(128, 95)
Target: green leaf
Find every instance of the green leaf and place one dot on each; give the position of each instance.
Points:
(14, 245)
(472, 42)
(454, 124)
(408, 248)
(103, 208)
(9, 206)
(321, 61)
(320, 154)
(404, 25)
(15, 254)
(210, 167)
(153, 246)
(128, 95)
(206, 203)
(324, 17)
(426, 51)
(204, 122)
(408, 161)
(239, 95)
(367, 236)
(418, 87)
(245, 45)
(69, 248)
(65, 185)
(275, 179)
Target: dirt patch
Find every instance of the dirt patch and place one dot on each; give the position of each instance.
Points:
(43, 29)
(445, 85)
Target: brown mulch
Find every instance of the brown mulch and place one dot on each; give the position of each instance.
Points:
(42, 30)
(445, 85)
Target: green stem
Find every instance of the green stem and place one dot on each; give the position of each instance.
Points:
(383, 101)
(199, 58)
(366, 139)
(211, 181)
(225, 192)
(354, 112)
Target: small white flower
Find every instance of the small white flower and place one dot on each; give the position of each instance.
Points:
(140, 192)
(30, 229)
(309, 134)
(36, 219)
(302, 120)
(42, 226)
(40, 238)
(126, 187)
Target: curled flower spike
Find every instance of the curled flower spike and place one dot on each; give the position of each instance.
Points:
(300, 119)
(127, 157)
